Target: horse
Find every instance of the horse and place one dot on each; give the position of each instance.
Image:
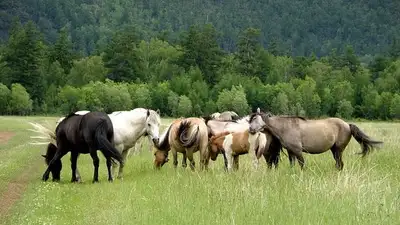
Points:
(273, 146)
(227, 115)
(82, 134)
(235, 144)
(298, 134)
(187, 136)
(128, 127)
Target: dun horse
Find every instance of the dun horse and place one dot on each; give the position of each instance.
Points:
(298, 135)
(186, 136)
(82, 134)
(235, 144)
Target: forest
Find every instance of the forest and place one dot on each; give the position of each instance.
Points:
(308, 60)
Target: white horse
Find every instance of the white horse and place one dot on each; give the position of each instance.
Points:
(129, 126)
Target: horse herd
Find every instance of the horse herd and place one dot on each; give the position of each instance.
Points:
(258, 134)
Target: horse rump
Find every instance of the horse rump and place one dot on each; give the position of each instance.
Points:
(187, 140)
(367, 144)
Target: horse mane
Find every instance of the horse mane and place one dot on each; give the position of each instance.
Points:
(164, 142)
(294, 117)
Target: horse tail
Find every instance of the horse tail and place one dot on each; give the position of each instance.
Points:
(45, 134)
(367, 144)
(100, 136)
(188, 140)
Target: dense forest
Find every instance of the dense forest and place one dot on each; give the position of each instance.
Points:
(298, 27)
(332, 59)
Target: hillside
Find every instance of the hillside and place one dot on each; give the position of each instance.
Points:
(298, 27)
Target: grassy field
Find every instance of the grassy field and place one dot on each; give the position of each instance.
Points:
(365, 192)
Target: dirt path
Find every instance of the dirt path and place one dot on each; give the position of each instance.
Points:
(5, 136)
(16, 188)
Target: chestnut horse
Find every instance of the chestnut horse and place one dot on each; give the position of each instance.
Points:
(184, 135)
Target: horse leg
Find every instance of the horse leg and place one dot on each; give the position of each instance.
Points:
(184, 159)
(225, 161)
(189, 154)
(337, 155)
(229, 158)
(296, 150)
(121, 166)
(78, 175)
(292, 159)
(74, 159)
(108, 163)
(96, 162)
(175, 160)
(236, 162)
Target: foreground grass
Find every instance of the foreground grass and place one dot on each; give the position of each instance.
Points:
(365, 192)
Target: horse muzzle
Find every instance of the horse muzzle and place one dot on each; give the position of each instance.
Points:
(252, 131)
(155, 141)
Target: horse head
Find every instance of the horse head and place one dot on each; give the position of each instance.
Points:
(258, 121)
(57, 166)
(153, 123)
(160, 158)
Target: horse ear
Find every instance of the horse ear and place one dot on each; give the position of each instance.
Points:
(258, 110)
(158, 111)
(148, 112)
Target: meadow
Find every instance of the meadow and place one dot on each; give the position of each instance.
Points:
(367, 191)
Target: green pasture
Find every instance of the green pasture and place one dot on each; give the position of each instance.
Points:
(366, 192)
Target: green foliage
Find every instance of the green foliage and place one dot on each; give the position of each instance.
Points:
(69, 97)
(23, 56)
(20, 102)
(184, 108)
(86, 70)
(345, 109)
(280, 104)
(395, 107)
(5, 95)
(62, 51)
(201, 49)
(121, 57)
(233, 100)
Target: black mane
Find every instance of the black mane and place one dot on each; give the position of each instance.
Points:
(264, 116)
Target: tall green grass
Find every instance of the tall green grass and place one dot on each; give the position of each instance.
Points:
(365, 192)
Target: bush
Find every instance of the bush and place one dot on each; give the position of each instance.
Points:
(184, 106)
(20, 101)
(5, 95)
(345, 109)
(233, 100)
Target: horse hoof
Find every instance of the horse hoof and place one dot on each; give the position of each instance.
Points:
(45, 178)
(95, 181)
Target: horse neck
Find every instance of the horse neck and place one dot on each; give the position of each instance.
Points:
(164, 139)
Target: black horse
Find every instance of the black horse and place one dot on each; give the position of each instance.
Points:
(82, 134)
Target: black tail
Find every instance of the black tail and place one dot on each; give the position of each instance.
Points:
(186, 139)
(104, 144)
(366, 142)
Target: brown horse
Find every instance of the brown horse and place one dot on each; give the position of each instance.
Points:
(298, 135)
(232, 145)
(187, 136)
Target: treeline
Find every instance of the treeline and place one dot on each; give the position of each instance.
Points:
(298, 27)
(192, 77)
